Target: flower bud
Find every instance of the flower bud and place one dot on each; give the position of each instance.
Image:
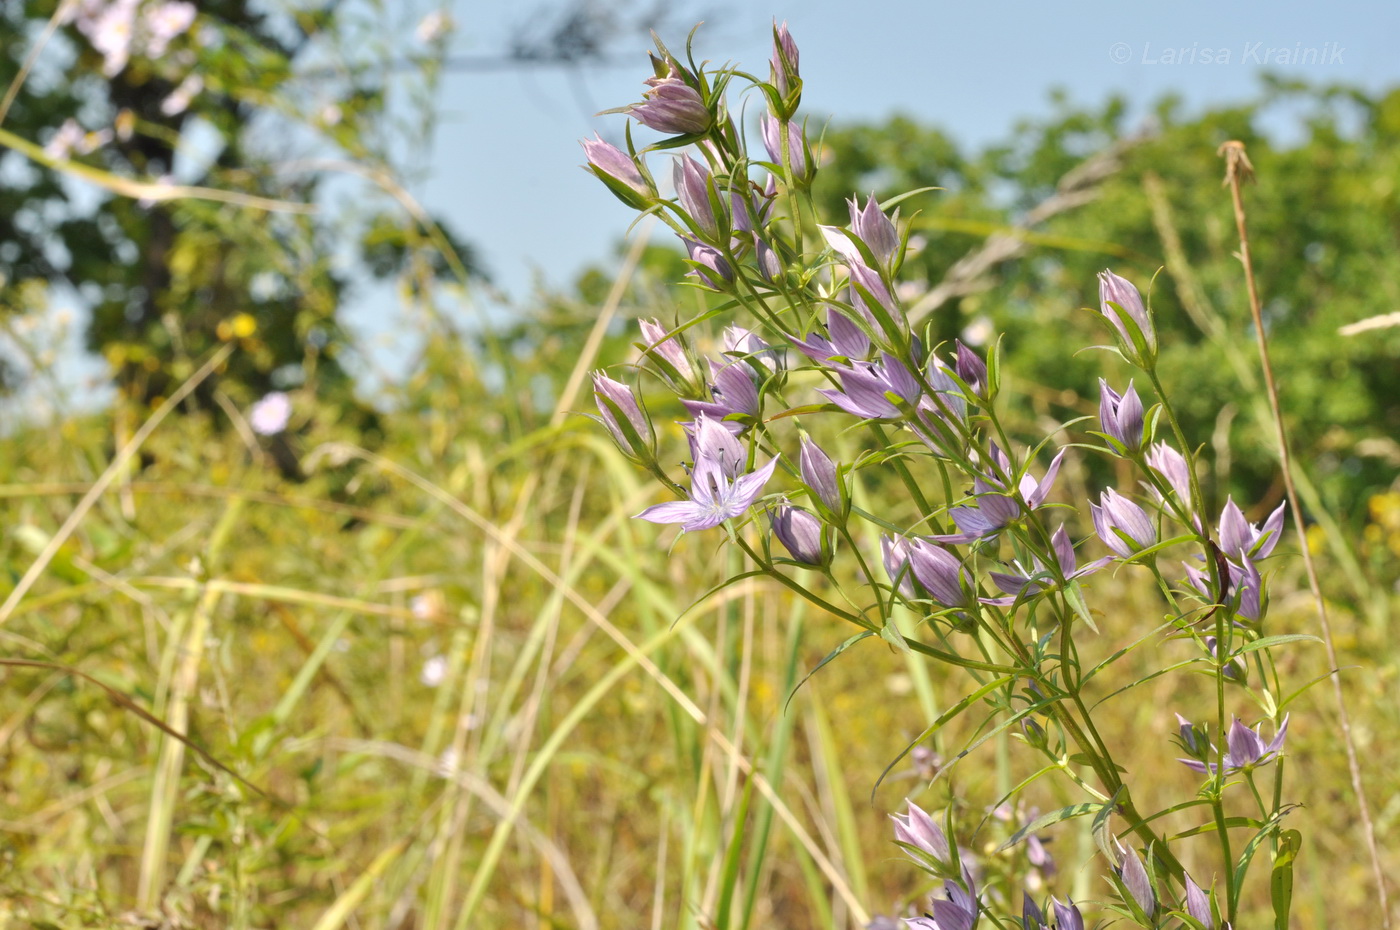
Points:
(693, 184)
(872, 227)
(783, 65)
(819, 474)
(668, 353)
(916, 828)
(708, 265)
(1115, 518)
(801, 534)
(970, 367)
(1121, 305)
(619, 172)
(673, 107)
(794, 147)
(631, 431)
(1121, 416)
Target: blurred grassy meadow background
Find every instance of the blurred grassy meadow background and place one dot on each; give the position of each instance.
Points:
(436, 675)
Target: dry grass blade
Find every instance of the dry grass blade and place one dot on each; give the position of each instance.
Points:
(1238, 170)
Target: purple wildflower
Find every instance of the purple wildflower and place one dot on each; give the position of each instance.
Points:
(693, 187)
(619, 172)
(747, 345)
(784, 60)
(1134, 877)
(795, 147)
(1122, 525)
(800, 533)
(971, 369)
(1239, 537)
(1198, 904)
(1170, 465)
(958, 911)
(709, 264)
(938, 571)
(1244, 749)
(719, 490)
(672, 106)
(847, 340)
(1235, 669)
(1121, 305)
(1038, 577)
(666, 350)
(872, 227)
(1121, 415)
(917, 829)
(614, 397)
(894, 551)
(1067, 916)
(734, 392)
(865, 385)
(819, 473)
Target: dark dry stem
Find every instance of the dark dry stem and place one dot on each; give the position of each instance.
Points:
(1237, 170)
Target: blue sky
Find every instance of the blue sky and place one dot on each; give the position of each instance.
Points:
(504, 169)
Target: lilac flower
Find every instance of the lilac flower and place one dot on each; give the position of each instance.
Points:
(1235, 669)
(1115, 518)
(800, 533)
(996, 508)
(819, 473)
(958, 911)
(734, 392)
(693, 184)
(866, 280)
(619, 172)
(753, 350)
(894, 551)
(917, 829)
(1121, 415)
(1244, 749)
(847, 340)
(710, 265)
(269, 415)
(769, 264)
(1032, 917)
(938, 571)
(719, 490)
(1067, 916)
(1023, 582)
(783, 60)
(971, 369)
(1121, 305)
(1198, 904)
(865, 385)
(1239, 538)
(666, 351)
(1134, 877)
(794, 147)
(673, 107)
(874, 228)
(1170, 465)
(614, 397)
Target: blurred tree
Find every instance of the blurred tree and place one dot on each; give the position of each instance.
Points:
(1325, 232)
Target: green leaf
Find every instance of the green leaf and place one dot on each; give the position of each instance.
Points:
(1281, 882)
(1046, 820)
(1270, 641)
(829, 656)
(942, 721)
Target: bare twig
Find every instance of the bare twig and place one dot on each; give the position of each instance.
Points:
(1238, 170)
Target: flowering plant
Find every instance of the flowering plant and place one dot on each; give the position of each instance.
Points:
(823, 384)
